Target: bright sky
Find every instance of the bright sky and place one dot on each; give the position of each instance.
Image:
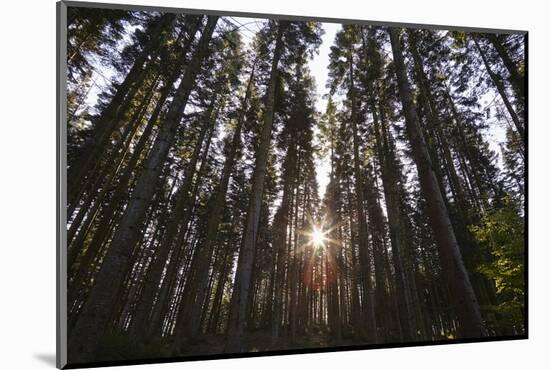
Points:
(319, 71)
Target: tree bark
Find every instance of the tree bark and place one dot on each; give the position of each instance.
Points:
(154, 275)
(516, 79)
(463, 297)
(239, 298)
(108, 121)
(502, 91)
(196, 292)
(124, 182)
(370, 311)
(93, 321)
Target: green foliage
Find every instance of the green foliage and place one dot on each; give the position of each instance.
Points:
(459, 38)
(501, 233)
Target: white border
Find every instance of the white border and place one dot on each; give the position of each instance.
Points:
(27, 152)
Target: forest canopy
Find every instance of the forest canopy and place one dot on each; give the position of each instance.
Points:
(248, 184)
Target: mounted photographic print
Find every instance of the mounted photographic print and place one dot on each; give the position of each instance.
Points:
(236, 184)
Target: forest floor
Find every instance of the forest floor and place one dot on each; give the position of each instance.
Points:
(119, 348)
(260, 341)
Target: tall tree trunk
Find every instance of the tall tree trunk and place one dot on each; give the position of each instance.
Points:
(217, 302)
(364, 253)
(114, 204)
(376, 228)
(502, 91)
(124, 181)
(243, 273)
(463, 297)
(107, 176)
(402, 254)
(435, 123)
(108, 121)
(196, 292)
(332, 249)
(469, 247)
(93, 321)
(154, 275)
(516, 79)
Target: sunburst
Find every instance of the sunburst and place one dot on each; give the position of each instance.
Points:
(318, 237)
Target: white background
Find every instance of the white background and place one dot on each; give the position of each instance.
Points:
(27, 182)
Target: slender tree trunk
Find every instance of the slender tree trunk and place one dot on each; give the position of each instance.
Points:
(154, 276)
(435, 123)
(396, 225)
(281, 235)
(463, 297)
(107, 123)
(105, 179)
(293, 273)
(119, 193)
(93, 321)
(364, 253)
(502, 91)
(216, 305)
(332, 255)
(469, 247)
(243, 273)
(124, 181)
(196, 292)
(516, 79)
(376, 228)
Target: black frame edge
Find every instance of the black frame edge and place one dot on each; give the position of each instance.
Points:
(291, 17)
(61, 141)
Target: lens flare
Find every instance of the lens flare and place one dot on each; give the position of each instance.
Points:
(318, 237)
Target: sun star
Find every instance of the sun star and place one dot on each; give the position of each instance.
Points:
(318, 237)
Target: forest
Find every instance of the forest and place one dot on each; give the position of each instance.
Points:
(226, 195)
